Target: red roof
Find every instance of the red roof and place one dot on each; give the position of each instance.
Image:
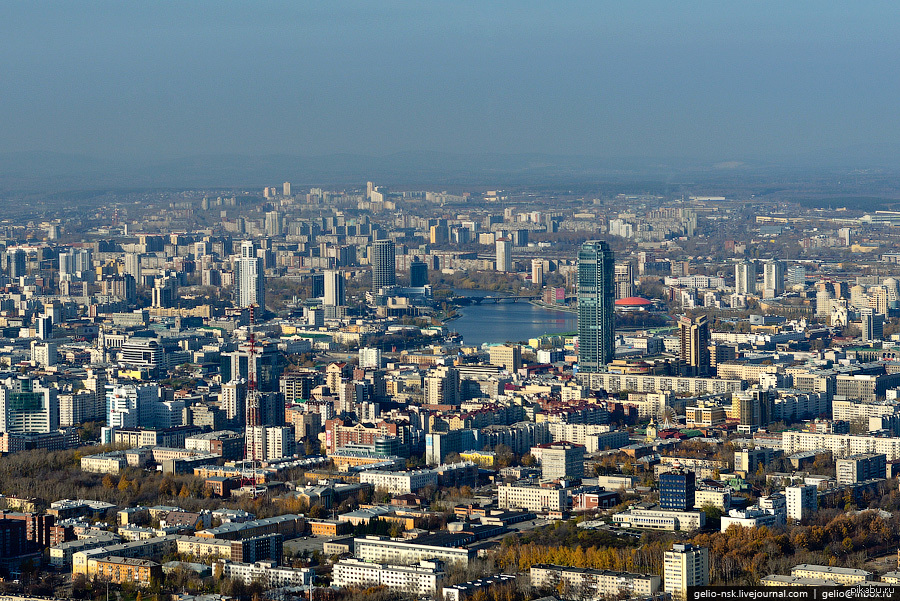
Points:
(633, 301)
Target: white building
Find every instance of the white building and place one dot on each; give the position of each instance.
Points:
(370, 358)
(380, 549)
(249, 277)
(660, 519)
(266, 572)
(752, 517)
(131, 406)
(802, 501)
(399, 483)
(531, 498)
(421, 579)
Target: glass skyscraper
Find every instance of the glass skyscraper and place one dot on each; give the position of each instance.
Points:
(384, 272)
(596, 299)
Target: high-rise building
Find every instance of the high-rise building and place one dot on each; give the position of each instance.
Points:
(596, 300)
(537, 272)
(442, 386)
(694, 335)
(624, 276)
(562, 460)
(274, 223)
(685, 565)
(17, 262)
(773, 279)
(28, 406)
(418, 274)
(504, 254)
(802, 501)
(286, 189)
(133, 266)
(131, 406)
(745, 278)
(249, 278)
(334, 289)
(165, 291)
(677, 490)
(383, 261)
(872, 327)
(796, 275)
(507, 356)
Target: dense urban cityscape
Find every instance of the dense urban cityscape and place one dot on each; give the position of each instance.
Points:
(266, 393)
(449, 301)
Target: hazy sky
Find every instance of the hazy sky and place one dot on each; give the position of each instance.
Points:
(712, 80)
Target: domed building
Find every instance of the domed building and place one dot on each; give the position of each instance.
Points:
(633, 303)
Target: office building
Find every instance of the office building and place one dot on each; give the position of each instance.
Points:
(383, 260)
(531, 498)
(504, 254)
(745, 278)
(694, 354)
(796, 275)
(624, 278)
(286, 189)
(872, 326)
(537, 272)
(334, 289)
(596, 299)
(418, 274)
(676, 490)
(249, 278)
(561, 460)
(685, 565)
(507, 356)
(28, 406)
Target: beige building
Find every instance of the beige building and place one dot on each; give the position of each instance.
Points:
(685, 565)
(842, 576)
(509, 357)
(532, 498)
(586, 583)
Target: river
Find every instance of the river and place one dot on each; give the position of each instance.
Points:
(508, 322)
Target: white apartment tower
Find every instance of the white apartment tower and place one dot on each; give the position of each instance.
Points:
(249, 277)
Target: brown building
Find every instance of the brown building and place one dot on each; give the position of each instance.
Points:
(37, 527)
(329, 527)
(221, 486)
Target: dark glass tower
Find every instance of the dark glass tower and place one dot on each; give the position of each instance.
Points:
(384, 272)
(596, 298)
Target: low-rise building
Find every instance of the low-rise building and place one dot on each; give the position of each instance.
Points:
(586, 583)
(379, 549)
(842, 576)
(654, 518)
(142, 572)
(399, 483)
(531, 498)
(266, 572)
(422, 579)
